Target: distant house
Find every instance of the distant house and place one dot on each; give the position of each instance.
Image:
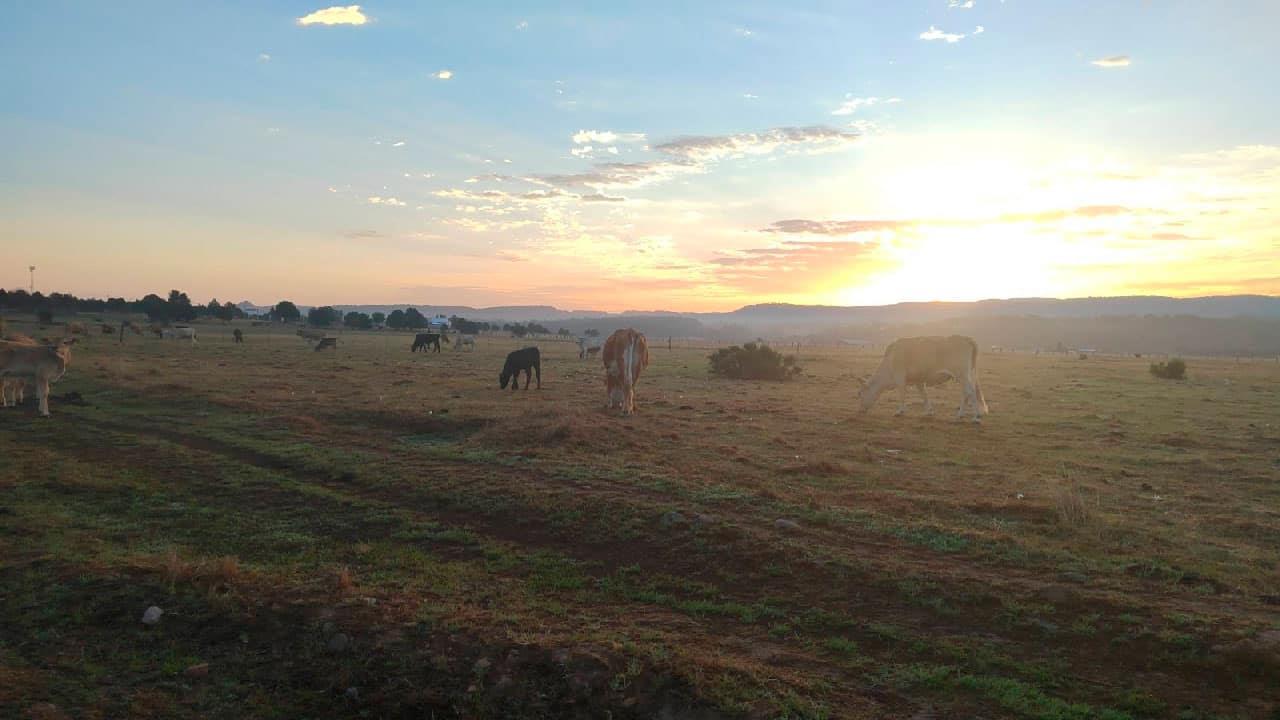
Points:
(438, 323)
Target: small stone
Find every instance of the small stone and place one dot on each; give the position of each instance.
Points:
(339, 643)
(785, 524)
(152, 615)
(197, 671)
(671, 519)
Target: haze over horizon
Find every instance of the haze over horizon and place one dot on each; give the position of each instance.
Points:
(673, 157)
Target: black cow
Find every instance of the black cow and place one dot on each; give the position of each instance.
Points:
(425, 340)
(528, 360)
(239, 336)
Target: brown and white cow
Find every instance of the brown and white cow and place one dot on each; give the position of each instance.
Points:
(37, 365)
(626, 354)
(922, 361)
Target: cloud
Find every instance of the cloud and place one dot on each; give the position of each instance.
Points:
(934, 33)
(851, 105)
(743, 32)
(692, 154)
(336, 15)
(522, 25)
(364, 235)
(443, 75)
(264, 57)
(599, 197)
(605, 137)
(621, 174)
(710, 148)
(395, 202)
(979, 30)
(1114, 61)
(750, 96)
(961, 4)
(836, 227)
(398, 143)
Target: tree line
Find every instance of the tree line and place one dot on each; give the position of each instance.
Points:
(177, 307)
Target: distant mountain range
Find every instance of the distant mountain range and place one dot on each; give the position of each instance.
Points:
(775, 315)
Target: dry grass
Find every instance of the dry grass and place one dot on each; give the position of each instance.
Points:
(537, 514)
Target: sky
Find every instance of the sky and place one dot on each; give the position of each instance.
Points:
(643, 156)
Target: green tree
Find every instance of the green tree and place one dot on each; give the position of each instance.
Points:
(357, 320)
(378, 318)
(396, 320)
(323, 316)
(414, 319)
(286, 311)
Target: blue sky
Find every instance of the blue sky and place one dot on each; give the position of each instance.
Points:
(231, 150)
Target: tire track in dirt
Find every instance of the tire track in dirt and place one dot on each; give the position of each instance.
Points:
(850, 598)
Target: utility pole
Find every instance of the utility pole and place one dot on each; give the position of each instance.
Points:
(32, 269)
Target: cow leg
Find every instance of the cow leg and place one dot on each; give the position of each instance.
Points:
(538, 369)
(42, 394)
(924, 395)
(902, 398)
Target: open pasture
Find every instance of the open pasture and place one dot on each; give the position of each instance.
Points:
(369, 532)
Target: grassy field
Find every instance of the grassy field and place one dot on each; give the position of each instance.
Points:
(370, 533)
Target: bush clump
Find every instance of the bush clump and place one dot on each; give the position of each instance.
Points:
(753, 361)
(1175, 369)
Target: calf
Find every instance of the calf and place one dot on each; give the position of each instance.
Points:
(589, 345)
(528, 361)
(466, 341)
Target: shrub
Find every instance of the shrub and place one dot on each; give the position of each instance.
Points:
(753, 361)
(44, 317)
(1175, 369)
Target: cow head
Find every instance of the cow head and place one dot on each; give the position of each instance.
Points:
(867, 395)
(504, 377)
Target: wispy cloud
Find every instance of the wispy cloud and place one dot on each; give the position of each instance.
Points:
(979, 30)
(743, 32)
(599, 197)
(336, 15)
(692, 154)
(605, 137)
(933, 33)
(960, 4)
(522, 25)
(443, 75)
(394, 202)
(750, 96)
(1114, 61)
(851, 105)
(264, 57)
(835, 227)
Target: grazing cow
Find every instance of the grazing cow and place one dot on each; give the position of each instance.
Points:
(76, 328)
(528, 361)
(108, 329)
(425, 340)
(38, 365)
(180, 333)
(922, 361)
(626, 353)
(237, 335)
(311, 335)
(327, 343)
(156, 329)
(467, 341)
(588, 345)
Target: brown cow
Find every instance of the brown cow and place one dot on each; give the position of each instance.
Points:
(626, 354)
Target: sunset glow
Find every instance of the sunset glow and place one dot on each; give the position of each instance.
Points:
(602, 159)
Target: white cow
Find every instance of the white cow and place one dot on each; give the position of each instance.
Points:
(588, 345)
(467, 341)
(922, 361)
(37, 365)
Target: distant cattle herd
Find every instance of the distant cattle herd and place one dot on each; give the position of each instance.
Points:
(918, 362)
